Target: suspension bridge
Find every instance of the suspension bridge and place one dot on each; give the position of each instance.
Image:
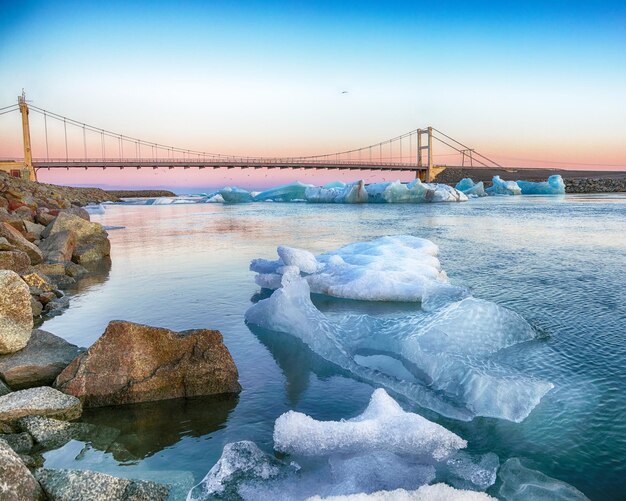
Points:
(97, 148)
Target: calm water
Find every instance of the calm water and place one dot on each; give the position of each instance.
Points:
(560, 262)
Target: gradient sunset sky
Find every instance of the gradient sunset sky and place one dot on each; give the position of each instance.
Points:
(528, 83)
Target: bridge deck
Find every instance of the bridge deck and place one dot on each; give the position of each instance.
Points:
(221, 164)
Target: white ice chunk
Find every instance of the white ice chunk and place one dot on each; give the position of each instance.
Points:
(465, 472)
(501, 187)
(382, 426)
(353, 193)
(435, 492)
(300, 258)
(553, 186)
(94, 208)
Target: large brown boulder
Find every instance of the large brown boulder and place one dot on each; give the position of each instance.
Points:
(92, 241)
(16, 481)
(16, 314)
(138, 363)
(16, 239)
(58, 247)
(16, 261)
(43, 359)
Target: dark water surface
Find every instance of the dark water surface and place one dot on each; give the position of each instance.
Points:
(560, 262)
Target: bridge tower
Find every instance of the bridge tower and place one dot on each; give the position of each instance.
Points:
(429, 147)
(28, 153)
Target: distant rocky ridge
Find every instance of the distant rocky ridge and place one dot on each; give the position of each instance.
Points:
(141, 193)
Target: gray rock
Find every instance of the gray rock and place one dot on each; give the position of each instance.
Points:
(16, 261)
(34, 228)
(5, 245)
(75, 270)
(36, 306)
(16, 314)
(21, 443)
(39, 363)
(42, 401)
(53, 433)
(85, 485)
(17, 240)
(78, 211)
(16, 481)
(56, 305)
(4, 389)
(92, 242)
(58, 247)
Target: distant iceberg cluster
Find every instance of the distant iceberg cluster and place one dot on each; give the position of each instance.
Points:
(382, 454)
(553, 186)
(448, 348)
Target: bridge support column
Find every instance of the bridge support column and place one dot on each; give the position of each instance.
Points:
(28, 154)
(429, 170)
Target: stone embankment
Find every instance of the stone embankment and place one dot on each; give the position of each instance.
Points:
(47, 243)
(141, 193)
(590, 185)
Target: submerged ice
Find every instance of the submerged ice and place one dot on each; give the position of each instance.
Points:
(444, 356)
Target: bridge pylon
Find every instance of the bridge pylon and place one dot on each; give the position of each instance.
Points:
(28, 153)
(425, 175)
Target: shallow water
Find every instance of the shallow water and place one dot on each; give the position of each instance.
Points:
(558, 261)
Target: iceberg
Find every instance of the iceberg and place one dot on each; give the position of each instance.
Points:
(383, 425)
(471, 189)
(443, 356)
(553, 186)
(353, 193)
(287, 193)
(501, 187)
(234, 195)
(520, 483)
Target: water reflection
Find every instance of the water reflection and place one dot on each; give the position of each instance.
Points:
(147, 428)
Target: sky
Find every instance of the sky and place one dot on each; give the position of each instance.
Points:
(526, 83)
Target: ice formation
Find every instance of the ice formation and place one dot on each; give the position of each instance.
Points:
(520, 483)
(450, 346)
(553, 186)
(401, 268)
(436, 492)
(471, 189)
(287, 193)
(501, 187)
(352, 193)
(94, 208)
(382, 449)
(383, 425)
(234, 195)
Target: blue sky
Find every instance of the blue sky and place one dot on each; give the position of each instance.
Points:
(518, 80)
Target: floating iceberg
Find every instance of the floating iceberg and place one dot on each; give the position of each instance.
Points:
(553, 186)
(401, 268)
(234, 195)
(383, 425)
(520, 483)
(501, 187)
(382, 449)
(287, 193)
(353, 193)
(448, 348)
(471, 189)
(94, 208)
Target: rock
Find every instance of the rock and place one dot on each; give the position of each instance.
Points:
(16, 314)
(6, 246)
(16, 261)
(16, 481)
(32, 461)
(53, 433)
(92, 242)
(75, 270)
(78, 211)
(36, 306)
(34, 228)
(21, 443)
(45, 297)
(4, 389)
(85, 485)
(42, 401)
(63, 281)
(44, 218)
(16, 239)
(38, 281)
(56, 305)
(58, 247)
(138, 363)
(49, 269)
(39, 363)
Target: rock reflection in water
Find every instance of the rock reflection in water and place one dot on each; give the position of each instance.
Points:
(147, 428)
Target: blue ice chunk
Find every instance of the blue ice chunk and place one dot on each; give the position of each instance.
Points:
(501, 187)
(471, 189)
(553, 186)
(234, 195)
(286, 193)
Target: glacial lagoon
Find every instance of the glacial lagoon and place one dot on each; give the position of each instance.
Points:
(556, 264)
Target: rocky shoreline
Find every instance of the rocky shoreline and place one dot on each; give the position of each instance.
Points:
(47, 245)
